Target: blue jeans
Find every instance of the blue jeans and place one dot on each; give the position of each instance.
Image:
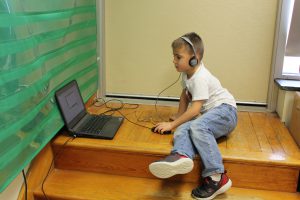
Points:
(199, 136)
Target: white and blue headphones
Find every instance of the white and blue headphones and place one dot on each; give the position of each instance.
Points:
(193, 60)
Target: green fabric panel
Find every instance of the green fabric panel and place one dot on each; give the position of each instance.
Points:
(15, 46)
(16, 19)
(44, 6)
(17, 72)
(43, 46)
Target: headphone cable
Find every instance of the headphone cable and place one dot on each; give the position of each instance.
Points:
(155, 105)
(118, 109)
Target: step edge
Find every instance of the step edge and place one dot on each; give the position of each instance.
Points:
(38, 192)
(247, 158)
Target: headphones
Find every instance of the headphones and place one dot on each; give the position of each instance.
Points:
(193, 60)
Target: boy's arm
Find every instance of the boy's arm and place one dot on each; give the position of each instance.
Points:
(189, 114)
(183, 104)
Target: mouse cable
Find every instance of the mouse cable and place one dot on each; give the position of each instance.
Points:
(118, 109)
(155, 105)
(122, 104)
(125, 117)
(52, 162)
(112, 109)
(132, 121)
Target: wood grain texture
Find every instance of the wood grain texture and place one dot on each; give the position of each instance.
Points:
(37, 172)
(260, 143)
(260, 153)
(77, 185)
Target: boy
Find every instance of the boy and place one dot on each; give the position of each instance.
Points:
(197, 133)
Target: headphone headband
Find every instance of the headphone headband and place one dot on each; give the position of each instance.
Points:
(190, 43)
(193, 61)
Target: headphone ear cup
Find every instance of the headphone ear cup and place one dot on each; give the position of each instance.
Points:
(193, 61)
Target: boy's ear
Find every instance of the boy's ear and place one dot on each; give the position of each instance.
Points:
(193, 61)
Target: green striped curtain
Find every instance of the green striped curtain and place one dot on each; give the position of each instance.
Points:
(44, 44)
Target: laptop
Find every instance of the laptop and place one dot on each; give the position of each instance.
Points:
(78, 121)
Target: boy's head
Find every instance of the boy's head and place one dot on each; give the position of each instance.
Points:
(190, 41)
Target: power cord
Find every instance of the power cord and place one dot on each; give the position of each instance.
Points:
(52, 162)
(122, 106)
(25, 183)
(111, 109)
(105, 103)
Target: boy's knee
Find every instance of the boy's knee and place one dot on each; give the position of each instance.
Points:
(178, 134)
(199, 129)
(200, 125)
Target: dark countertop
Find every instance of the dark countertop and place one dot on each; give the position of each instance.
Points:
(289, 85)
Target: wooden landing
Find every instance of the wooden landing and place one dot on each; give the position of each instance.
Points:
(259, 151)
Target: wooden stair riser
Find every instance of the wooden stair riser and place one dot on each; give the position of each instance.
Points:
(116, 162)
(78, 185)
(265, 177)
(245, 175)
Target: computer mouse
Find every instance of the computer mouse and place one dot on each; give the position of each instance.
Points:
(163, 133)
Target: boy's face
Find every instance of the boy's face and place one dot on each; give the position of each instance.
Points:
(181, 59)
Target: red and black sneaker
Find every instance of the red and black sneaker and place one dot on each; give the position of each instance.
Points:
(210, 188)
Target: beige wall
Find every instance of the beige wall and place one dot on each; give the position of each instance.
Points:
(238, 37)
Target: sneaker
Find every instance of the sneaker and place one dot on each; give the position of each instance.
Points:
(210, 188)
(171, 165)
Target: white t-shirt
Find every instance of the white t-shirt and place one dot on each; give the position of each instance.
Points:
(204, 86)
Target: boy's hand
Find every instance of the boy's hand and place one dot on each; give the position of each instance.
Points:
(163, 126)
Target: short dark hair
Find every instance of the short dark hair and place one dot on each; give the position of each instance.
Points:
(195, 39)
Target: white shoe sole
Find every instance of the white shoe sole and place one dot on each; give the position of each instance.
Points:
(223, 189)
(162, 169)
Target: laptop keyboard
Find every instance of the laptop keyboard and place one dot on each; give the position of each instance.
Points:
(95, 124)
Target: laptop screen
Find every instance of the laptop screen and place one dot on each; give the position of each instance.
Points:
(70, 103)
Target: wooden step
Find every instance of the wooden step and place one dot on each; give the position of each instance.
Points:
(78, 185)
(260, 153)
(249, 171)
